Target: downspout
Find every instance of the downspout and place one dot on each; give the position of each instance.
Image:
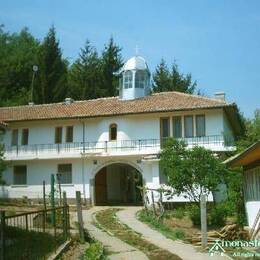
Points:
(83, 162)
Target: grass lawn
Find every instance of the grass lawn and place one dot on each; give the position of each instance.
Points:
(107, 219)
(21, 244)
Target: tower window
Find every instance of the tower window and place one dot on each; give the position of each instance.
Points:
(112, 132)
(128, 79)
(140, 79)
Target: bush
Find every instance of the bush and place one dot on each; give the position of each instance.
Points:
(194, 214)
(95, 251)
(217, 215)
(179, 213)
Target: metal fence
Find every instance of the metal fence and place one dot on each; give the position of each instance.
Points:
(33, 235)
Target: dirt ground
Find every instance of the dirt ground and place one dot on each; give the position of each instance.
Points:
(75, 251)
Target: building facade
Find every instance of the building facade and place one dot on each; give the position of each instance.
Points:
(107, 147)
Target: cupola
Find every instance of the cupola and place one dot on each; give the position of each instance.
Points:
(134, 79)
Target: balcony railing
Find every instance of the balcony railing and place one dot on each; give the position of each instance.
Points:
(215, 142)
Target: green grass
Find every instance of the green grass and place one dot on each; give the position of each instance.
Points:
(107, 219)
(22, 244)
(95, 251)
(172, 233)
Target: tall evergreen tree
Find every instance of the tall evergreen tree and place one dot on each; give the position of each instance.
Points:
(166, 80)
(85, 77)
(51, 81)
(18, 53)
(162, 77)
(111, 62)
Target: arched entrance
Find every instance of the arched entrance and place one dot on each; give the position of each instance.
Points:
(117, 184)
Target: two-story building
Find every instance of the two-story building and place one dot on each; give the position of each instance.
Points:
(108, 146)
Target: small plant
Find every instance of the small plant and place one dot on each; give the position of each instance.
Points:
(95, 251)
(179, 213)
(217, 215)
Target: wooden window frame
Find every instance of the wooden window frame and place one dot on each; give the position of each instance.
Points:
(15, 173)
(14, 142)
(111, 138)
(63, 172)
(25, 136)
(191, 116)
(196, 116)
(69, 139)
(56, 141)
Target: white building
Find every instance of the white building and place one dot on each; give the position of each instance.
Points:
(107, 146)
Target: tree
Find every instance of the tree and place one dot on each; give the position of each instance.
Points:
(252, 132)
(192, 172)
(51, 79)
(166, 80)
(18, 53)
(85, 77)
(162, 78)
(111, 61)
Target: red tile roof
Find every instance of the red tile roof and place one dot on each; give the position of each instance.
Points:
(112, 106)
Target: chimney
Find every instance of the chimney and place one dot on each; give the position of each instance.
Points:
(68, 101)
(220, 96)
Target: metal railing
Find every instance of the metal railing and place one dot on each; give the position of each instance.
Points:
(33, 235)
(114, 146)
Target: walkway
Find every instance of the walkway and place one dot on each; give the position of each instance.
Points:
(118, 249)
(185, 251)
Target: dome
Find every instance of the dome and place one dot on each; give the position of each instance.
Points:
(135, 63)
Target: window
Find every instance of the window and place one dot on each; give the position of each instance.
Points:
(25, 136)
(69, 134)
(113, 132)
(162, 177)
(140, 79)
(164, 129)
(14, 137)
(20, 175)
(64, 173)
(128, 79)
(200, 125)
(177, 127)
(58, 135)
(188, 126)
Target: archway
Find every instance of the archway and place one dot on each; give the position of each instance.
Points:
(117, 184)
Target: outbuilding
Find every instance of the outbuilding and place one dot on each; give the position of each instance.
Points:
(250, 161)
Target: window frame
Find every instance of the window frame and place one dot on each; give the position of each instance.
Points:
(140, 79)
(57, 129)
(59, 173)
(15, 173)
(128, 79)
(14, 137)
(25, 136)
(204, 125)
(185, 127)
(173, 128)
(69, 135)
(112, 126)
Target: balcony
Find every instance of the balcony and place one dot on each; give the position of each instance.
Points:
(110, 148)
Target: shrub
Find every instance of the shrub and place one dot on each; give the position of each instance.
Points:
(218, 215)
(179, 213)
(194, 214)
(95, 251)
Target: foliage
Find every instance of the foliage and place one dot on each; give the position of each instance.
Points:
(194, 214)
(51, 79)
(192, 172)
(95, 251)
(149, 218)
(178, 212)
(252, 132)
(18, 53)
(218, 215)
(166, 80)
(111, 62)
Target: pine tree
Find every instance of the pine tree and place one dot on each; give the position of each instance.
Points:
(166, 80)
(85, 77)
(111, 63)
(51, 82)
(162, 77)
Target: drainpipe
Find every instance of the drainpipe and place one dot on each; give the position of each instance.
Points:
(83, 161)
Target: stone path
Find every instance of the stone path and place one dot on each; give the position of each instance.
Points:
(119, 250)
(185, 251)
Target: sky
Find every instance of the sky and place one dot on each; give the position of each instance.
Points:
(218, 42)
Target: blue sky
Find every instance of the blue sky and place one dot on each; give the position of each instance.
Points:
(217, 41)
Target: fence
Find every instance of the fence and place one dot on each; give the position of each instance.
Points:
(33, 235)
